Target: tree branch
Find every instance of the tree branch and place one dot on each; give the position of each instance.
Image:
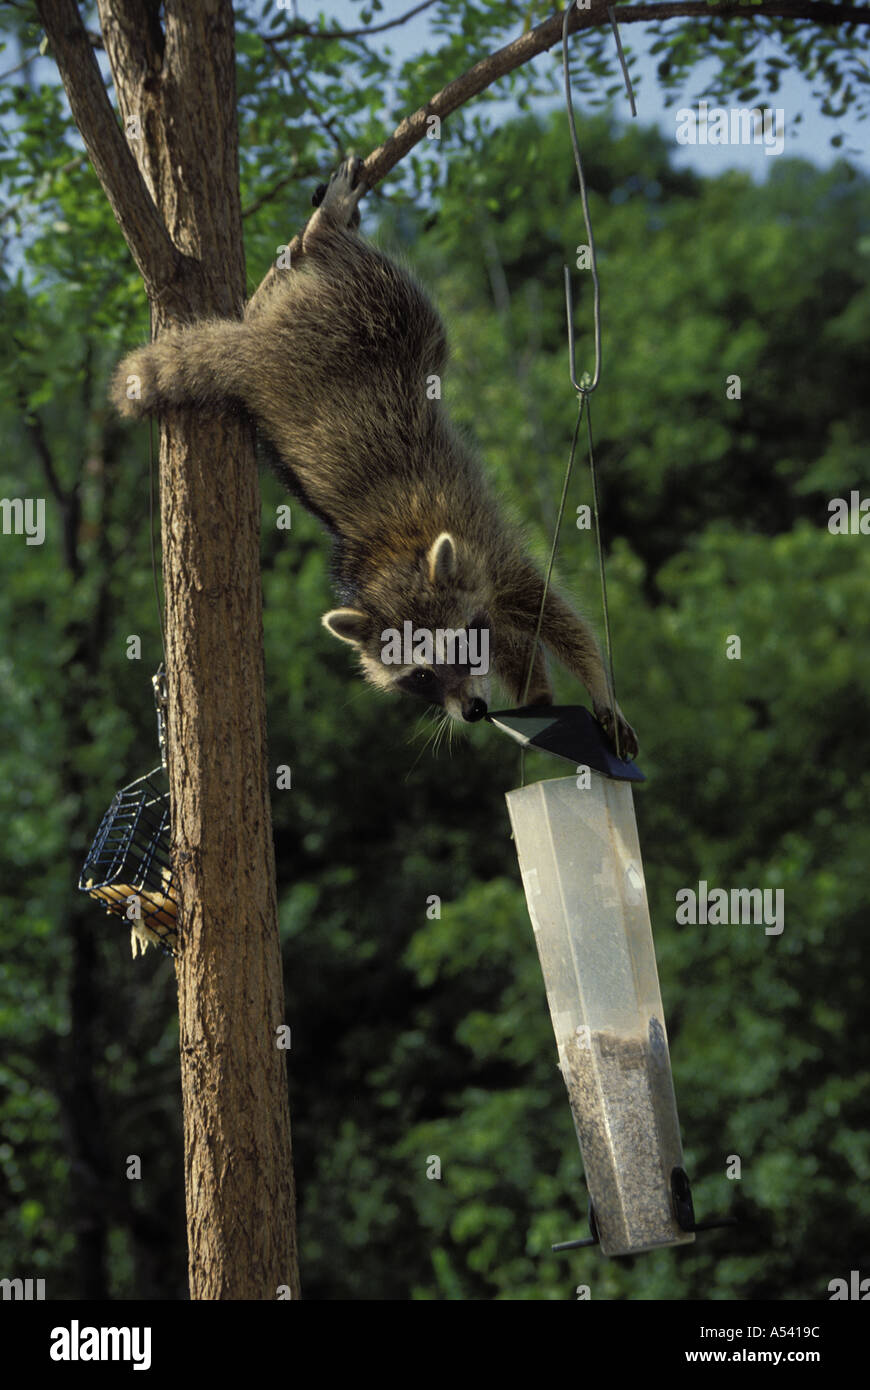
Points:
(68, 499)
(143, 228)
(544, 36)
(471, 83)
(270, 193)
(297, 81)
(11, 209)
(817, 11)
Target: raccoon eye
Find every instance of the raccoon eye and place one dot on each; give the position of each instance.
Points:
(422, 682)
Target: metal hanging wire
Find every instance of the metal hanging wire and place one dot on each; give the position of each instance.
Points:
(628, 87)
(584, 387)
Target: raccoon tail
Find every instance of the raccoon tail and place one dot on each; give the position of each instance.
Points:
(202, 365)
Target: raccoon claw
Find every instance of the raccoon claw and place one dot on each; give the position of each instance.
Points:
(350, 169)
(341, 195)
(627, 737)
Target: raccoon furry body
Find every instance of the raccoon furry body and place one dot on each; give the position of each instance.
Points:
(333, 359)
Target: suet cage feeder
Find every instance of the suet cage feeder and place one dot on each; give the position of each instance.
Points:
(577, 844)
(128, 866)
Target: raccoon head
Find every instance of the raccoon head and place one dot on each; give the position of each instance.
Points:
(439, 650)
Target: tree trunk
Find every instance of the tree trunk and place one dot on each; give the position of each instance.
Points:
(178, 84)
(238, 1169)
(240, 1200)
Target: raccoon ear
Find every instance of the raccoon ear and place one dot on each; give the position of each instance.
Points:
(442, 559)
(348, 625)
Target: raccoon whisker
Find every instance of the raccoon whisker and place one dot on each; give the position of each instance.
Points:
(424, 725)
(437, 734)
(445, 730)
(424, 730)
(354, 697)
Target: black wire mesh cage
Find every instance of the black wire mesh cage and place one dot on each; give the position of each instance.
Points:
(128, 867)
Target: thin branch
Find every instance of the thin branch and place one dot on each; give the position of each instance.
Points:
(143, 227)
(68, 499)
(10, 72)
(270, 193)
(35, 190)
(471, 83)
(297, 81)
(546, 35)
(295, 31)
(36, 430)
(95, 39)
(818, 11)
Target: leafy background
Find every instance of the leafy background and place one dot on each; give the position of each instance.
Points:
(413, 1036)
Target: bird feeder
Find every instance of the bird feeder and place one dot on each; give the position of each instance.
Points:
(579, 857)
(128, 866)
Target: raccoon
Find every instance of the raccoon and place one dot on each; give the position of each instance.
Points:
(335, 359)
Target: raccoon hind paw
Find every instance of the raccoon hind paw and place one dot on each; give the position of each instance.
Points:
(340, 197)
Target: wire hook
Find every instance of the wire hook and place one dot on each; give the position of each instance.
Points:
(161, 702)
(585, 387)
(622, 62)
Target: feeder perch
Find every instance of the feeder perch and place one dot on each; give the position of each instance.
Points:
(568, 731)
(582, 873)
(128, 866)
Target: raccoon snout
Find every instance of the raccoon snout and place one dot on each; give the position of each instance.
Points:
(474, 710)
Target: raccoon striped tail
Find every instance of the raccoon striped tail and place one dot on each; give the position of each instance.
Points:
(192, 367)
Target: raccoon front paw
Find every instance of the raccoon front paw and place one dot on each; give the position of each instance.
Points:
(627, 737)
(339, 197)
(134, 385)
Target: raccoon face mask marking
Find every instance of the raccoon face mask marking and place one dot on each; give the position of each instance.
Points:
(437, 656)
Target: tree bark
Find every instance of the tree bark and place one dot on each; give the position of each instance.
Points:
(178, 204)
